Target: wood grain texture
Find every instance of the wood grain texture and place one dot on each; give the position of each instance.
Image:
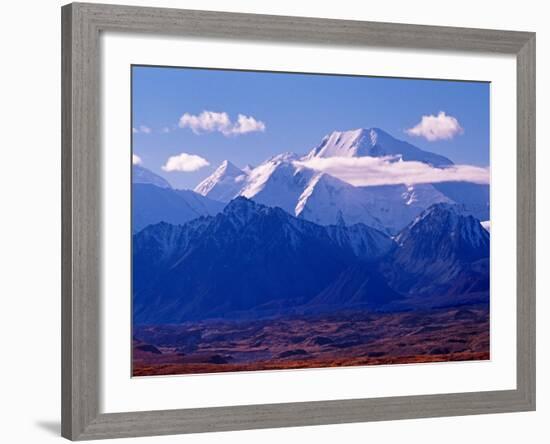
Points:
(81, 235)
(119, 425)
(526, 221)
(81, 222)
(258, 27)
(66, 224)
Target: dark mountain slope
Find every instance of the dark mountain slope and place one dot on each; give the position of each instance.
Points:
(249, 257)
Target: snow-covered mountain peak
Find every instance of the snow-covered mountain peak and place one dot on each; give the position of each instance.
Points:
(372, 142)
(343, 144)
(224, 183)
(288, 182)
(277, 182)
(227, 168)
(283, 157)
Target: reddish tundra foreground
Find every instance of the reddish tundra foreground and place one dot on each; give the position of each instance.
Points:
(332, 340)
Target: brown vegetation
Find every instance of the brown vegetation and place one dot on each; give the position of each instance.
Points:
(333, 340)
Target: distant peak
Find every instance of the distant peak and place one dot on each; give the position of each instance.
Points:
(369, 134)
(228, 168)
(141, 175)
(378, 131)
(372, 142)
(284, 157)
(351, 143)
(221, 184)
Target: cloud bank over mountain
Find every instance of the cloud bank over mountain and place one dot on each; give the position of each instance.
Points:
(391, 170)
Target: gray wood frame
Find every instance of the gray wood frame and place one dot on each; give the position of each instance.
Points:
(81, 25)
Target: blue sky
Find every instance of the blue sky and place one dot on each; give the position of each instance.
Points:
(292, 112)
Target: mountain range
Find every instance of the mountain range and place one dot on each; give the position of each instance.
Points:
(249, 256)
(283, 182)
(281, 238)
(255, 260)
(324, 199)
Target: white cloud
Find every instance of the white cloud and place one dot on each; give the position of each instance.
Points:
(207, 121)
(185, 162)
(142, 129)
(211, 121)
(440, 127)
(247, 124)
(370, 171)
(136, 160)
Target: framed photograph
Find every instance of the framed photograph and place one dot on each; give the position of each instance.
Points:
(278, 221)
